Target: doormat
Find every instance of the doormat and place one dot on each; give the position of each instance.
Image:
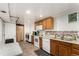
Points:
(41, 52)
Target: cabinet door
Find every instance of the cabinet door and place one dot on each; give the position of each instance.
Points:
(64, 50)
(32, 40)
(53, 47)
(40, 42)
(75, 52)
(44, 24)
(49, 23)
(40, 22)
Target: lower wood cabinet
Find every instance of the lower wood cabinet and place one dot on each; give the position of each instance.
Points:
(53, 47)
(59, 48)
(32, 40)
(64, 50)
(75, 50)
(40, 42)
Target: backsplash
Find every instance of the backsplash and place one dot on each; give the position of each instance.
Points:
(66, 34)
(61, 32)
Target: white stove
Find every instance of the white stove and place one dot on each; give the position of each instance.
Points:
(36, 41)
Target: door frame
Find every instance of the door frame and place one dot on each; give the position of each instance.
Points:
(16, 30)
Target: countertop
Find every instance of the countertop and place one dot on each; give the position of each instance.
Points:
(73, 41)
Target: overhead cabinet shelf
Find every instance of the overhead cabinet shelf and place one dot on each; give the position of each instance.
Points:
(47, 23)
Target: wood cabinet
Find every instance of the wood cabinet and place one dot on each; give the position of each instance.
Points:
(40, 42)
(40, 23)
(44, 24)
(47, 23)
(32, 39)
(54, 47)
(59, 48)
(75, 50)
(64, 50)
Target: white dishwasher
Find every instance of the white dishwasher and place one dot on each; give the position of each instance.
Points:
(46, 44)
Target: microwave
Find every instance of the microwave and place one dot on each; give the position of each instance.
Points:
(39, 27)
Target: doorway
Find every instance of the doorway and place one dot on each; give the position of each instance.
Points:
(19, 32)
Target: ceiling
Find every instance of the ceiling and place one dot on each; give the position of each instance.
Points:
(45, 9)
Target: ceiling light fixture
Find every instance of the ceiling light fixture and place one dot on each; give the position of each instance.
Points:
(28, 11)
(41, 15)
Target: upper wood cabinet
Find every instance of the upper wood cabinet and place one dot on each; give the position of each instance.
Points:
(44, 24)
(40, 23)
(47, 23)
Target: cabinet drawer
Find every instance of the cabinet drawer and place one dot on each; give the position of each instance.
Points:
(75, 46)
(75, 51)
(65, 43)
(56, 41)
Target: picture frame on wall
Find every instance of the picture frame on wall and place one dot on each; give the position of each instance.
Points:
(72, 17)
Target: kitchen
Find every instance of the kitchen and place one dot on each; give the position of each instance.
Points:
(50, 40)
(49, 28)
(58, 35)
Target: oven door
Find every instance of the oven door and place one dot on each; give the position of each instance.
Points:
(36, 42)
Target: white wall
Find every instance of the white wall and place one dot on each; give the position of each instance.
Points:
(28, 27)
(61, 22)
(10, 31)
(0, 30)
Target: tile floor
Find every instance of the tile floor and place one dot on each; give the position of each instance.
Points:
(28, 49)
